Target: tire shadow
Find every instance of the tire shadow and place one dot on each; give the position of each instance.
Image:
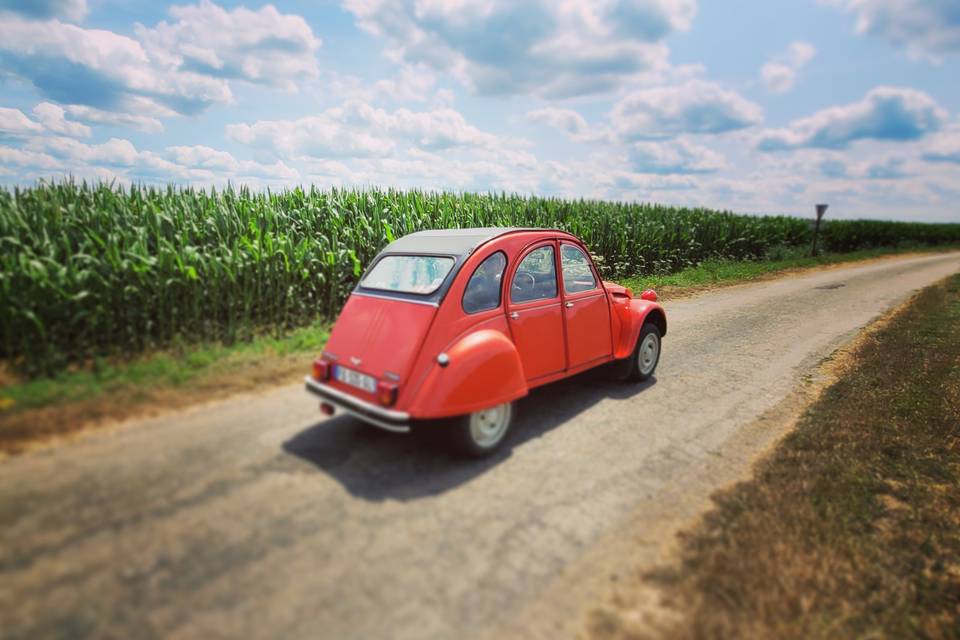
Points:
(377, 465)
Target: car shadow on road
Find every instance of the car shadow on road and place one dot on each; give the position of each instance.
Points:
(377, 465)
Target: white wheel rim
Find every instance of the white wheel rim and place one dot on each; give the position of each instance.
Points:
(648, 353)
(488, 427)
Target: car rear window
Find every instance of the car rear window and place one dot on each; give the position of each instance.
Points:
(408, 274)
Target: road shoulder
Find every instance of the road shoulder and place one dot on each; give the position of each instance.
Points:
(845, 527)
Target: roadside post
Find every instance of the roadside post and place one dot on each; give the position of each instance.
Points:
(821, 209)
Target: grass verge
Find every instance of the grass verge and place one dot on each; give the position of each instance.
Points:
(39, 409)
(851, 527)
(714, 273)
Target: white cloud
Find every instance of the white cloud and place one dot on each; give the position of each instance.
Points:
(223, 163)
(202, 156)
(13, 122)
(119, 157)
(115, 152)
(924, 28)
(663, 158)
(834, 168)
(890, 168)
(180, 67)
(566, 120)
(112, 118)
(414, 83)
(573, 47)
(52, 117)
(944, 148)
(570, 123)
(426, 172)
(778, 77)
(639, 185)
(99, 68)
(409, 84)
(49, 119)
(693, 107)
(263, 46)
(312, 136)
(71, 10)
(886, 113)
(479, 170)
(677, 157)
(780, 73)
(26, 158)
(878, 166)
(357, 130)
(873, 179)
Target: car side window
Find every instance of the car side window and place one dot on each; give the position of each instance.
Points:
(483, 289)
(577, 274)
(536, 277)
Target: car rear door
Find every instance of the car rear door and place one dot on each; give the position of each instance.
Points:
(585, 309)
(535, 313)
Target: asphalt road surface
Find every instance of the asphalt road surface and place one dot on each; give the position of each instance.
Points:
(255, 518)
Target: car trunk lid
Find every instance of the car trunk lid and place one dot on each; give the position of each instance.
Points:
(379, 336)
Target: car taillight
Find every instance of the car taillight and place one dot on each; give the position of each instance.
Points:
(321, 370)
(386, 393)
(650, 295)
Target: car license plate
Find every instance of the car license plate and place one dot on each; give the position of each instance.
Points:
(355, 379)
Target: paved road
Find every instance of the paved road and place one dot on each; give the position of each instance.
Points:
(254, 518)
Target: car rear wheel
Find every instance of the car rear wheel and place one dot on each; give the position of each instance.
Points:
(646, 355)
(480, 433)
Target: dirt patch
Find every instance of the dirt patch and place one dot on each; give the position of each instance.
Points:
(848, 527)
(21, 431)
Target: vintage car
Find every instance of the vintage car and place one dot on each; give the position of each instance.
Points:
(456, 325)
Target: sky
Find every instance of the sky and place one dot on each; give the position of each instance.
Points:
(747, 105)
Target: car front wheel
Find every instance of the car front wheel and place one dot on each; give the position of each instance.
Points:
(480, 433)
(646, 354)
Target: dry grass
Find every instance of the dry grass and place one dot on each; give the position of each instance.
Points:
(851, 528)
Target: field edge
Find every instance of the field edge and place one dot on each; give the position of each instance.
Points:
(45, 411)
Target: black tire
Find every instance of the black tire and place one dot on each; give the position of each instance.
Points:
(466, 433)
(642, 364)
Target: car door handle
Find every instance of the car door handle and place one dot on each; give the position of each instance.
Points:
(568, 305)
(514, 315)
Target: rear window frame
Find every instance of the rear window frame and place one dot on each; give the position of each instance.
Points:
(454, 268)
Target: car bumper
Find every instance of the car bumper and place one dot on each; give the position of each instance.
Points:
(398, 421)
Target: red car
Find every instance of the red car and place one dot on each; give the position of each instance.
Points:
(458, 324)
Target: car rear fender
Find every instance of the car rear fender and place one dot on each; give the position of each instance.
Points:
(483, 370)
(633, 316)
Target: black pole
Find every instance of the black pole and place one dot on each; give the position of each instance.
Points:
(821, 209)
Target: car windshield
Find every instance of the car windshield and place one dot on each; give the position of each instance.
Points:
(408, 274)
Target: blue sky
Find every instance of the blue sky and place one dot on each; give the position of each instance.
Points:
(748, 105)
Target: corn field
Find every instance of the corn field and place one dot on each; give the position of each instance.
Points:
(92, 271)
